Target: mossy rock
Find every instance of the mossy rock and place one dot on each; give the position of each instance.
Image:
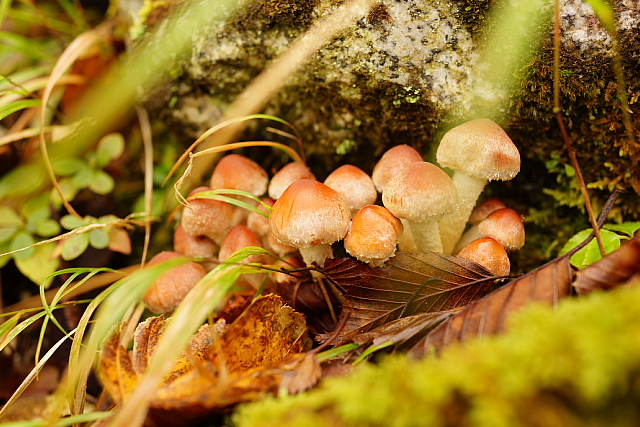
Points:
(575, 366)
(401, 76)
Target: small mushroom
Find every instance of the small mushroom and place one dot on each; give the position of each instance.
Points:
(478, 151)
(355, 186)
(373, 235)
(168, 291)
(193, 246)
(391, 162)
(489, 253)
(286, 176)
(240, 237)
(485, 209)
(504, 225)
(207, 217)
(238, 172)
(421, 193)
(310, 216)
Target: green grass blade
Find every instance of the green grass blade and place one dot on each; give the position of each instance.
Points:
(221, 195)
(17, 106)
(65, 422)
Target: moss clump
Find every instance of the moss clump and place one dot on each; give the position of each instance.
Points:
(579, 365)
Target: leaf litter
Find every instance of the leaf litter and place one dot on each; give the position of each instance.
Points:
(430, 299)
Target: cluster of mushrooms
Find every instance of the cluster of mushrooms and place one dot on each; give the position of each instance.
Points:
(423, 210)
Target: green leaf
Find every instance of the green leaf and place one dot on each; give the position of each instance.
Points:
(9, 218)
(66, 167)
(17, 106)
(73, 247)
(37, 217)
(69, 190)
(22, 240)
(628, 228)
(21, 181)
(591, 253)
(41, 265)
(109, 148)
(7, 233)
(70, 222)
(48, 228)
(99, 238)
(83, 177)
(102, 183)
(34, 204)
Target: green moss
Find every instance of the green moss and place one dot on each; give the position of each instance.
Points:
(579, 365)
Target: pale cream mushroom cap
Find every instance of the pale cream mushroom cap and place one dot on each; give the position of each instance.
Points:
(480, 148)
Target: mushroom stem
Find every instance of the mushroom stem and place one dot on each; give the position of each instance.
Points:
(318, 254)
(452, 225)
(426, 236)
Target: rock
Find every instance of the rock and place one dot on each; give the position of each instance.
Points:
(404, 74)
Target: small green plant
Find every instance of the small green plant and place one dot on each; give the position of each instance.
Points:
(612, 237)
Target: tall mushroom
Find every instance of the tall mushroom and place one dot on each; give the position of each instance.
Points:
(478, 151)
(421, 193)
(310, 216)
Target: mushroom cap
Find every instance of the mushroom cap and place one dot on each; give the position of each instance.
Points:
(391, 162)
(481, 149)
(207, 217)
(237, 172)
(290, 173)
(239, 237)
(168, 291)
(354, 184)
(373, 234)
(484, 209)
(309, 213)
(489, 253)
(420, 192)
(260, 223)
(193, 246)
(506, 226)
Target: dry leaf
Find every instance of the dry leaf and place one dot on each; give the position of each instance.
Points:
(613, 270)
(410, 283)
(260, 352)
(490, 314)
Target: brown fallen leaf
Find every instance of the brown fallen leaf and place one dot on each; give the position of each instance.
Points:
(404, 331)
(260, 352)
(410, 283)
(490, 315)
(612, 270)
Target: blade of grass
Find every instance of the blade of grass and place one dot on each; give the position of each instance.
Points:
(294, 155)
(32, 375)
(194, 310)
(17, 106)
(64, 422)
(68, 57)
(147, 143)
(221, 196)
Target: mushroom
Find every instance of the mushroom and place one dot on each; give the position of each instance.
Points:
(310, 216)
(373, 235)
(260, 223)
(504, 225)
(489, 253)
(421, 193)
(485, 209)
(286, 176)
(478, 151)
(207, 217)
(355, 186)
(238, 172)
(168, 291)
(193, 246)
(391, 162)
(240, 237)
